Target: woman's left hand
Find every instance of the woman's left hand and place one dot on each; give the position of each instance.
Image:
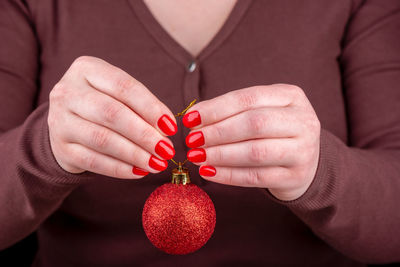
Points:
(262, 136)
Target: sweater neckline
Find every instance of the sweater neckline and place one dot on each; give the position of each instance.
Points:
(172, 47)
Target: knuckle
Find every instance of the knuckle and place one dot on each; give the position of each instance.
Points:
(219, 132)
(229, 176)
(294, 92)
(214, 113)
(256, 123)
(82, 61)
(246, 99)
(217, 156)
(314, 124)
(282, 154)
(300, 153)
(311, 126)
(294, 89)
(111, 112)
(309, 152)
(134, 154)
(100, 138)
(146, 135)
(68, 154)
(303, 150)
(91, 162)
(258, 153)
(58, 92)
(123, 85)
(65, 159)
(116, 171)
(252, 177)
(88, 161)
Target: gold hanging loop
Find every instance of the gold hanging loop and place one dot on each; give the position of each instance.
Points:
(180, 175)
(186, 109)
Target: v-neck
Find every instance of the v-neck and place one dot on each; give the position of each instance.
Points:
(172, 47)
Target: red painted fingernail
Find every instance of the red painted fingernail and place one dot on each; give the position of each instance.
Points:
(195, 139)
(139, 171)
(165, 150)
(196, 155)
(167, 125)
(207, 170)
(157, 164)
(191, 119)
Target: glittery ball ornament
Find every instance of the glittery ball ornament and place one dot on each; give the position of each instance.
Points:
(179, 217)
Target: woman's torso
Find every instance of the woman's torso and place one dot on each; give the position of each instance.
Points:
(261, 42)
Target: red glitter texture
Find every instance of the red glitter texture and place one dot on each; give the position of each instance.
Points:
(178, 219)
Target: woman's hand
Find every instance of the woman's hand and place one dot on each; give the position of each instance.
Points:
(262, 136)
(103, 120)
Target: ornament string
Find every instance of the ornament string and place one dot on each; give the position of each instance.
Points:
(177, 164)
(186, 109)
(180, 114)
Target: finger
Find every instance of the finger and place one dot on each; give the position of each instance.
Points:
(263, 177)
(107, 142)
(120, 85)
(106, 111)
(93, 161)
(253, 153)
(269, 122)
(232, 103)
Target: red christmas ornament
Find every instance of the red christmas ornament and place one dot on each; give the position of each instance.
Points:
(179, 217)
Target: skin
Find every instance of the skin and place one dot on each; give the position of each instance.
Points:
(96, 125)
(267, 137)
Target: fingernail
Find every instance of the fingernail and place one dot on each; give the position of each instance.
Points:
(196, 155)
(139, 171)
(191, 119)
(157, 164)
(195, 139)
(165, 150)
(207, 170)
(167, 125)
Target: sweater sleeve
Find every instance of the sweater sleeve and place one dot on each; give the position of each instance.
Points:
(32, 185)
(353, 202)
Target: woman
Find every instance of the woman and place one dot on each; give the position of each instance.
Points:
(296, 133)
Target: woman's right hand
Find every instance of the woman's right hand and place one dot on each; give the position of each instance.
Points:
(103, 120)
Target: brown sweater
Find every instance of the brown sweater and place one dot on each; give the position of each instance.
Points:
(344, 54)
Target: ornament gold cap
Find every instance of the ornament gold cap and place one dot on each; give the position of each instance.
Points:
(180, 175)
